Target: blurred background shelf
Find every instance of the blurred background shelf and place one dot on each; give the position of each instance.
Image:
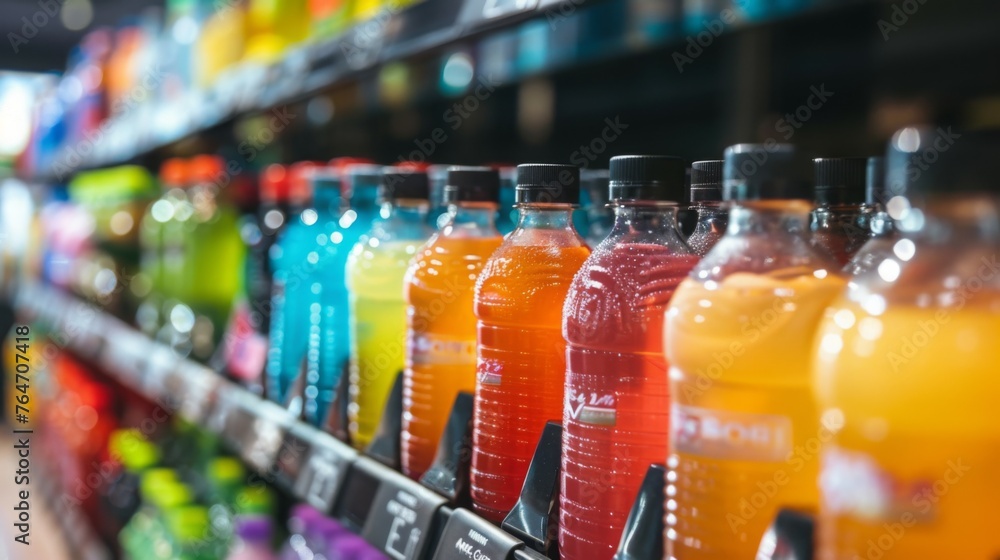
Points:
(453, 81)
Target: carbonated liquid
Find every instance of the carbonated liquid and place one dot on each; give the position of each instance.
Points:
(442, 340)
(617, 402)
(739, 352)
(521, 366)
(375, 271)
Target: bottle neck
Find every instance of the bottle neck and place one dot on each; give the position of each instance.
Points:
(405, 210)
(545, 216)
(471, 216)
(776, 218)
(650, 218)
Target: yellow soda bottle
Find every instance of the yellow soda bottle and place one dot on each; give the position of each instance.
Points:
(739, 331)
(375, 271)
(905, 369)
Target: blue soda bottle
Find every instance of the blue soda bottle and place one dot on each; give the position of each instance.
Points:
(329, 341)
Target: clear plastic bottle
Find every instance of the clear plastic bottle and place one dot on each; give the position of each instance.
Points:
(441, 325)
(521, 364)
(616, 412)
(375, 274)
(706, 202)
(292, 286)
(905, 369)
(889, 201)
(738, 338)
(329, 326)
(841, 222)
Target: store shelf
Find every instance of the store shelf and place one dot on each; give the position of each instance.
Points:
(321, 66)
(403, 518)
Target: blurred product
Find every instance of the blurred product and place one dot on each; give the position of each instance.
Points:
(841, 222)
(600, 217)
(737, 340)
(292, 283)
(904, 369)
(355, 183)
(706, 202)
(441, 326)
(521, 364)
(375, 272)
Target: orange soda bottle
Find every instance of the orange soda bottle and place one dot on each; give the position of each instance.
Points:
(744, 430)
(521, 362)
(441, 325)
(905, 367)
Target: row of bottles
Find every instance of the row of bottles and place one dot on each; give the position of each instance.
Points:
(761, 356)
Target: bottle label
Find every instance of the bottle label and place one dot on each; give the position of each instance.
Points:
(722, 434)
(488, 372)
(429, 349)
(855, 485)
(591, 408)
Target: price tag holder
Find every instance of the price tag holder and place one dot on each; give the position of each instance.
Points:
(643, 533)
(199, 394)
(320, 478)
(530, 518)
(467, 536)
(402, 517)
(262, 441)
(485, 13)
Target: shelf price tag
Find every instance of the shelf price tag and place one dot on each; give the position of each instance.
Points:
(467, 536)
(262, 442)
(321, 476)
(196, 392)
(402, 517)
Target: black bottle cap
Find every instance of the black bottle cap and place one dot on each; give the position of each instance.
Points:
(401, 182)
(924, 160)
(766, 172)
(547, 183)
(840, 180)
(706, 181)
(646, 178)
(472, 184)
(875, 191)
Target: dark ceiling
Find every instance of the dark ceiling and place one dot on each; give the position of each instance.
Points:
(47, 50)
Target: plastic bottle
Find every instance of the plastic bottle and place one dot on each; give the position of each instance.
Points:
(706, 201)
(441, 326)
(375, 271)
(329, 340)
(888, 197)
(214, 251)
(521, 363)
(173, 178)
(253, 540)
(292, 286)
(616, 412)
(841, 222)
(905, 372)
(600, 218)
(737, 340)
